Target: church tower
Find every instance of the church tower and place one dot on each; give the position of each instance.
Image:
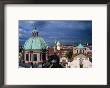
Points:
(58, 45)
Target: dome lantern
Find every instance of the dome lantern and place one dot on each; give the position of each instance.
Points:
(35, 33)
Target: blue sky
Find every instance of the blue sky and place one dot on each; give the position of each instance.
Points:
(65, 31)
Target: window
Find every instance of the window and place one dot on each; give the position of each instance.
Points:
(27, 57)
(80, 61)
(77, 51)
(35, 57)
(83, 51)
(43, 56)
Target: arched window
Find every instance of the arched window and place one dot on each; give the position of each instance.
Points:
(77, 51)
(35, 57)
(83, 51)
(27, 57)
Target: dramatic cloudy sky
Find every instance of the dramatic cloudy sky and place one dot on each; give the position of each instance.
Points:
(65, 31)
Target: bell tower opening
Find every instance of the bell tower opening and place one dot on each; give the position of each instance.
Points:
(35, 33)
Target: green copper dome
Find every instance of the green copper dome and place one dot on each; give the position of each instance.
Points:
(80, 46)
(34, 43)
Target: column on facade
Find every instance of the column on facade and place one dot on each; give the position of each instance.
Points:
(41, 57)
(38, 57)
(31, 58)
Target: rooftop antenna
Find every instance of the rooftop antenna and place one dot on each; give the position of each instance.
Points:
(34, 26)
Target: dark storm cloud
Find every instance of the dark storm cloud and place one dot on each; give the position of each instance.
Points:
(66, 31)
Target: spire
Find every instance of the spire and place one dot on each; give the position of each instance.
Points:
(87, 44)
(58, 43)
(55, 41)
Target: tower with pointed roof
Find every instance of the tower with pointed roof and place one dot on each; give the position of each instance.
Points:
(58, 45)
